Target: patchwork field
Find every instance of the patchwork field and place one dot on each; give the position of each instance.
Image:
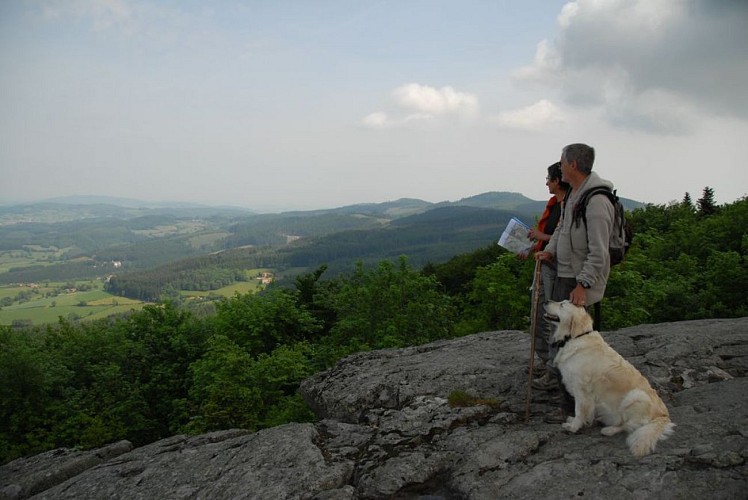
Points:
(39, 305)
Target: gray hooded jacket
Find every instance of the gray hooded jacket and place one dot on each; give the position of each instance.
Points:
(581, 251)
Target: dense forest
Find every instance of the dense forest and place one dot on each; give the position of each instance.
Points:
(164, 370)
(204, 272)
(435, 236)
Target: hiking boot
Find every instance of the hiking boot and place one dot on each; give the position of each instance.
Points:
(556, 416)
(548, 382)
(538, 370)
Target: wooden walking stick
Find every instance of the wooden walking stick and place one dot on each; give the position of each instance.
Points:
(533, 331)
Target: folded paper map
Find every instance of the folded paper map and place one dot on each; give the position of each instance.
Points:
(514, 238)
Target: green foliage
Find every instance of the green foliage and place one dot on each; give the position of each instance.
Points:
(390, 306)
(684, 265)
(457, 273)
(223, 389)
(262, 322)
(706, 203)
(499, 298)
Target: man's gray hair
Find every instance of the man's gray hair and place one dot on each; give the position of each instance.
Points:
(583, 154)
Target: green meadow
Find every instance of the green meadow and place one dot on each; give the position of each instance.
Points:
(241, 287)
(30, 255)
(38, 307)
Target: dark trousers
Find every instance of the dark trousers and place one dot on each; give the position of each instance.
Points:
(542, 327)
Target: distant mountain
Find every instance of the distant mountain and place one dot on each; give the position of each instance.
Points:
(501, 200)
(387, 209)
(88, 206)
(432, 236)
(134, 203)
(66, 210)
(405, 207)
(96, 200)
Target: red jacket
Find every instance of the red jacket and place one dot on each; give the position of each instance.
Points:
(548, 221)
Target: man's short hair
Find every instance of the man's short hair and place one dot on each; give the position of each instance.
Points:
(583, 154)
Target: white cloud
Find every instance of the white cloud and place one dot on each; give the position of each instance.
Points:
(648, 64)
(534, 117)
(432, 101)
(545, 64)
(415, 103)
(376, 120)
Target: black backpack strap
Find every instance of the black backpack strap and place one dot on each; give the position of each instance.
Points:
(580, 210)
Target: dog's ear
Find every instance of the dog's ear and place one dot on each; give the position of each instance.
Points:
(580, 322)
(573, 328)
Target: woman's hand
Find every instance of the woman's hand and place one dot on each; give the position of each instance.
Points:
(546, 256)
(535, 234)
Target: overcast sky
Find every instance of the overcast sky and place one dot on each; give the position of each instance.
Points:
(281, 104)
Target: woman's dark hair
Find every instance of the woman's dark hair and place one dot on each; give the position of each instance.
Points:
(554, 173)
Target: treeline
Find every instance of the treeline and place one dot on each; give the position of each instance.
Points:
(205, 272)
(68, 271)
(434, 236)
(149, 253)
(274, 229)
(84, 235)
(164, 370)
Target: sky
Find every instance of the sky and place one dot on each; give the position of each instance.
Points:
(302, 104)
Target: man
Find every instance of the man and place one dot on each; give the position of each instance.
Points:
(579, 250)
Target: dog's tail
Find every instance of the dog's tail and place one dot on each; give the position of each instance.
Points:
(644, 439)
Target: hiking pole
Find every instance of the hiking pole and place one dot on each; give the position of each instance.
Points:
(533, 331)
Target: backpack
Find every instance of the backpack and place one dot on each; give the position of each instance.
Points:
(622, 234)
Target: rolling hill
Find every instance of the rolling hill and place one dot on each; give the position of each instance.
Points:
(87, 238)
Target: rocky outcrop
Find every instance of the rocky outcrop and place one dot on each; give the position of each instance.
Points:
(388, 431)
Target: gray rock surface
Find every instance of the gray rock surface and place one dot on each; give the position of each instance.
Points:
(387, 431)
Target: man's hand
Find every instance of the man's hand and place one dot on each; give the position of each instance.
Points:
(578, 296)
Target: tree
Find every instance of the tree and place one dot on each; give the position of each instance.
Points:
(687, 202)
(706, 203)
(261, 322)
(164, 341)
(222, 391)
(390, 306)
(499, 297)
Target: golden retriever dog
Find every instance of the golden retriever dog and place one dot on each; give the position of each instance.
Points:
(605, 386)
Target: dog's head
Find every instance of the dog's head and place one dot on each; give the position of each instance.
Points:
(572, 320)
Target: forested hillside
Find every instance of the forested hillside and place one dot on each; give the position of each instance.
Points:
(163, 370)
(57, 241)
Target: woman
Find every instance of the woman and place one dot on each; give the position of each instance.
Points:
(542, 234)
